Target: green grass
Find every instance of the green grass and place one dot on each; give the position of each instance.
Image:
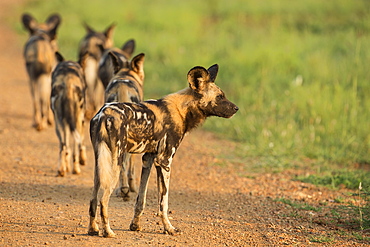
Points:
(298, 70)
(339, 178)
(300, 206)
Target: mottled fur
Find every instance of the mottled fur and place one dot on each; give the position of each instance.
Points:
(68, 105)
(94, 43)
(39, 55)
(106, 71)
(155, 128)
(126, 86)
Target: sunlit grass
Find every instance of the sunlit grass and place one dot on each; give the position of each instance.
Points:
(298, 70)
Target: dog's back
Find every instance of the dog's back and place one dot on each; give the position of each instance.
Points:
(68, 93)
(68, 105)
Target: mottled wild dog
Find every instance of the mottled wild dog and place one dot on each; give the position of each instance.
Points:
(94, 43)
(68, 105)
(39, 55)
(126, 86)
(105, 71)
(155, 128)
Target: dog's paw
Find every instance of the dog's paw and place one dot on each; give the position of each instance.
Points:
(76, 169)
(93, 232)
(60, 174)
(109, 234)
(124, 192)
(173, 231)
(135, 227)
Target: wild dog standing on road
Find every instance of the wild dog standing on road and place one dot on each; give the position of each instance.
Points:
(68, 105)
(39, 54)
(105, 71)
(94, 43)
(126, 86)
(155, 128)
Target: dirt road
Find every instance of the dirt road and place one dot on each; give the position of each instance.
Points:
(213, 205)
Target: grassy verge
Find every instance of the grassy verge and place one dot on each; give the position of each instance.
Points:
(297, 70)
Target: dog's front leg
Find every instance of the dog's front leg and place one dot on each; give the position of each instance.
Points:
(163, 183)
(148, 160)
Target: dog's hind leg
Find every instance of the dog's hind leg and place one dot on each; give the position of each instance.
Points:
(64, 153)
(107, 231)
(80, 128)
(44, 87)
(131, 174)
(124, 190)
(93, 225)
(163, 183)
(36, 106)
(76, 156)
(148, 160)
(127, 180)
(109, 172)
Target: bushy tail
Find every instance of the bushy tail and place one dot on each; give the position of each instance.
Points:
(105, 152)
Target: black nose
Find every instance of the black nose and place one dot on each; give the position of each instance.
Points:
(236, 108)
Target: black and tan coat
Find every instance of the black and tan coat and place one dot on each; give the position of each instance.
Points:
(126, 86)
(94, 43)
(68, 105)
(155, 128)
(39, 55)
(106, 71)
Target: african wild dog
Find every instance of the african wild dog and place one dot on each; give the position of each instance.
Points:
(94, 43)
(39, 55)
(126, 86)
(105, 71)
(155, 128)
(68, 105)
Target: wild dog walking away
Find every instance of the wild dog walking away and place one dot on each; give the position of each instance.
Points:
(155, 128)
(126, 86)
(39, 55)
(94, 43)
(105, 70)
(68, 105)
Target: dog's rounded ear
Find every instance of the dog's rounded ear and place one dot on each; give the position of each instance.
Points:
(29, 23)
(54, 20)
(213, 70)
(128, 48)
(137, 65)
(115, 62)
(59, 57)
(198, 77)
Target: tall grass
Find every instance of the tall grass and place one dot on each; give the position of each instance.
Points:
(298, 70)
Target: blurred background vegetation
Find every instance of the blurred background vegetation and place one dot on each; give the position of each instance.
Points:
(298, 70)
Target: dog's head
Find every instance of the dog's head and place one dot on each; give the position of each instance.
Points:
(135, 67)
(96, 42)
(212, 100)
(47, 29)
(105, 71)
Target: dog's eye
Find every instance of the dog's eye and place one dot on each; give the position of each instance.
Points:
(220, 97)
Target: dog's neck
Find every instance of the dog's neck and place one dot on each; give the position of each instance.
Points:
(184, 110)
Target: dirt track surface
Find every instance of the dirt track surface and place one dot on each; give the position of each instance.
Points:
(212, 205)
